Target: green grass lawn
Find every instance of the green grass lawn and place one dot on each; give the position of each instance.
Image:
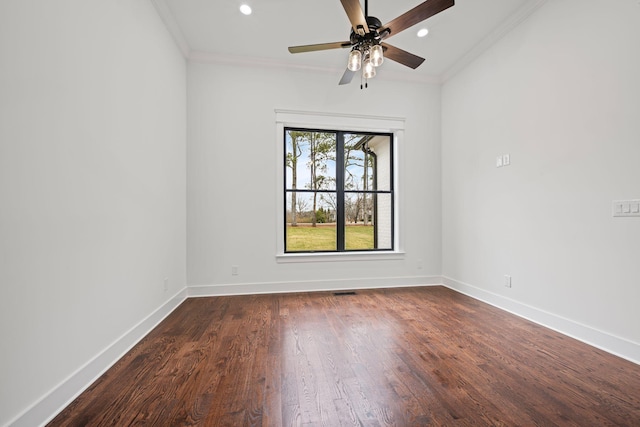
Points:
(323, 238)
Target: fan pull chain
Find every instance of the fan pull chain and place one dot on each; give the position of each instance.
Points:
(366, 83)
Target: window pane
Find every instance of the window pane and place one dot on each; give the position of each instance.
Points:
(383, 220)
(380, 149)
(357, 164)
(308, 232)
(310, 160)
(367, 162)
(359, 237)
(368, 221)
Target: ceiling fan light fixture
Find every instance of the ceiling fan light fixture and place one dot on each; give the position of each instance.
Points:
(245, 9)
(368, 70)
(355, 60)
(376, 55)
(423, 32)
(368, 33)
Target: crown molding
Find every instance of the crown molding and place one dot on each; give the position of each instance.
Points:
(409, 77)
(499, 32)
(172, 25)
(243, 61)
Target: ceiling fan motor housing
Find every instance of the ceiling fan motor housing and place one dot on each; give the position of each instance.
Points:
(369, 39)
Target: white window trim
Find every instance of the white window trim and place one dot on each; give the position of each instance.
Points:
(345, 122)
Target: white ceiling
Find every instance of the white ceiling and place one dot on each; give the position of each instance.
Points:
(216, 30)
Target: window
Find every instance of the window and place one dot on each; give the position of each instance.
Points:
(338, 191)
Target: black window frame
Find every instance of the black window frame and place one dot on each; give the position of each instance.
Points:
(340, 190)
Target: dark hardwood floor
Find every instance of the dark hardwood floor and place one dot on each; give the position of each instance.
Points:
(394, 357)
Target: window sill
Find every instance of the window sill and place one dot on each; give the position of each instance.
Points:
(338, 257)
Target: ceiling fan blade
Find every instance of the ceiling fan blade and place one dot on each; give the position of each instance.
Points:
(347, 77)
(402, 56)
(320, 46)
(356, 15)
(415, 15)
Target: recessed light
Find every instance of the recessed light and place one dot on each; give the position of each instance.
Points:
(423, 32)
(245, 9)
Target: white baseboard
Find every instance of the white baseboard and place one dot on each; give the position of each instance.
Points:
(312, 286)
(55, 401)
(45, 409)
(618, 346)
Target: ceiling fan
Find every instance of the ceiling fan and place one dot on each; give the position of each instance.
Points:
(366, 41)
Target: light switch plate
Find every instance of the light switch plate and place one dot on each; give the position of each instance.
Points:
(626, 208)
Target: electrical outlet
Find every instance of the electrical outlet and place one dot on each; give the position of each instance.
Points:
(234, 270)
(507, 281)
(166, 284)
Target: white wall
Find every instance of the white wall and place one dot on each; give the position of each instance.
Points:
(233, 168)
(92, 178)
(92, 184)
(561, 95)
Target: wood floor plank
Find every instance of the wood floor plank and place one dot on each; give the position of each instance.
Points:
(389, 357)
